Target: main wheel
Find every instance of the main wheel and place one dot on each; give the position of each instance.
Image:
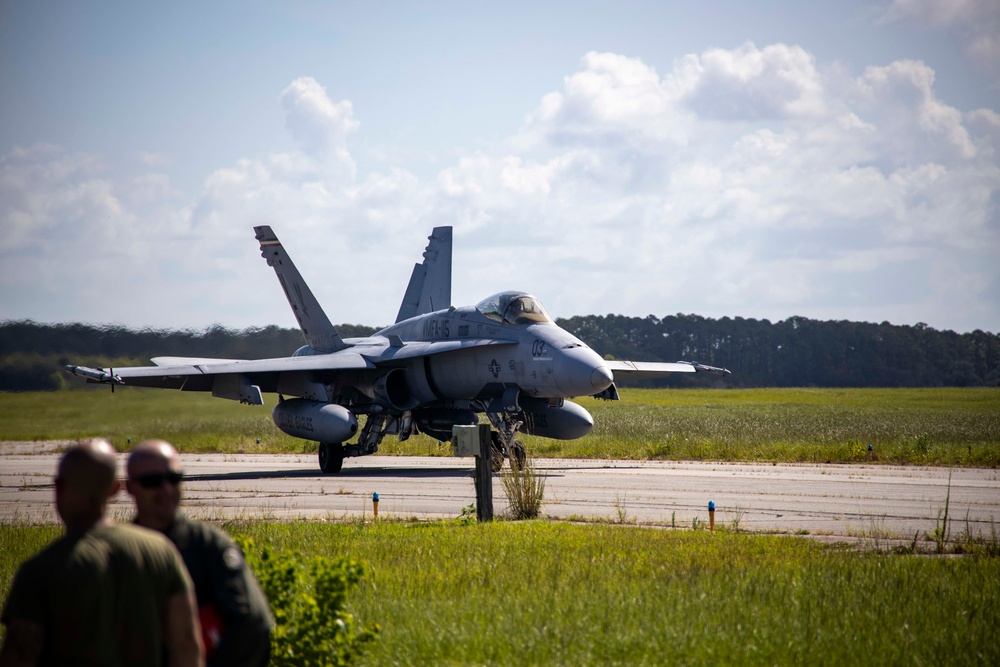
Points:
(331, 457)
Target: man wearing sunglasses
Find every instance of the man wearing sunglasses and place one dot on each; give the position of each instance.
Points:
(236, 620)
(104, 593)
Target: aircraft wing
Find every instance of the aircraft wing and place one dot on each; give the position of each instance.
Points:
(644, 370)
(242, 379)
(200, 374)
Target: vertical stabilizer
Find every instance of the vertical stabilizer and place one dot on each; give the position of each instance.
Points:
(315, 325)
(429, 288)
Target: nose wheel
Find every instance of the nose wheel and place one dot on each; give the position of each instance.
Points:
(518, 455)
(498, 451)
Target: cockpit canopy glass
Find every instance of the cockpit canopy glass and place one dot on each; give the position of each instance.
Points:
(513, 308)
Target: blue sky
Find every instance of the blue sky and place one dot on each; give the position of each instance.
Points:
(768, 159)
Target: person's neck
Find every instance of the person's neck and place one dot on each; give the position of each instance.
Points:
(82, 525)
(154, 523)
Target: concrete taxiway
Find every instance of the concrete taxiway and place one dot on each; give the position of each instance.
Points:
(838, 500)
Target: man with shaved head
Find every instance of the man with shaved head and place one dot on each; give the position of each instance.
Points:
(234, 611)
(103, 594)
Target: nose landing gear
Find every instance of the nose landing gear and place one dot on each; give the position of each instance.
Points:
(516, 452)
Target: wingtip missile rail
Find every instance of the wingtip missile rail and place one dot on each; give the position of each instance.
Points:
(95, 374)
(704, 368)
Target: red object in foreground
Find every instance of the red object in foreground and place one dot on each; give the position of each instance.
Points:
(211, 629)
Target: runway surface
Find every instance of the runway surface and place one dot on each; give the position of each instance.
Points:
(837, 500)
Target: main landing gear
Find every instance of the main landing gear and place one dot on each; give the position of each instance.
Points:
(503, 442)
(332, 454)
(331, 457)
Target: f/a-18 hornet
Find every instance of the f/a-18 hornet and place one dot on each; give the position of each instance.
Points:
(438, 366)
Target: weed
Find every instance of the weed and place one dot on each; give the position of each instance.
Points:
(524, 489)
(873, 531)
(908, 549)
(738, 512)
(307, 597)
(977, 544)
(620, 510)
(941, 531)
(468, 515)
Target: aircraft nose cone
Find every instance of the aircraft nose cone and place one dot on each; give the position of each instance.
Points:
(581, 372)
(601, 378)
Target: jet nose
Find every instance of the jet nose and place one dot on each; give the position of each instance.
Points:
(581, 372)
(601, 378)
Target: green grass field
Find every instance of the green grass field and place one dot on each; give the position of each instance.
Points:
(450, 593)
(916, 426)
(457, 592)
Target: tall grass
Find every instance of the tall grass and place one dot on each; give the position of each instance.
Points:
(915, 426)
(192, 421)
(556, 594)
(539, 593)
(524, 489)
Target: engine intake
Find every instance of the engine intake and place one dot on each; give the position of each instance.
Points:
(393, 390)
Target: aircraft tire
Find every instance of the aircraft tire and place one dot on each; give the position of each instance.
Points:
(518, 455)
(496, 452)
(331, 457)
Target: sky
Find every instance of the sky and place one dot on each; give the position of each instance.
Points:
(828, 160)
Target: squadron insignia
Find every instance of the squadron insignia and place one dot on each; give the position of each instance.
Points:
(233, 558)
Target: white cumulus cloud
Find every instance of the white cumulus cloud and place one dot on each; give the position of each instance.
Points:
(319, 125)
(752, 181)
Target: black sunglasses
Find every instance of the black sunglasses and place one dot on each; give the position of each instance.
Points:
(156, 479)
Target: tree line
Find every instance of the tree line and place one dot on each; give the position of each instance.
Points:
(796, 352)
(800, 352)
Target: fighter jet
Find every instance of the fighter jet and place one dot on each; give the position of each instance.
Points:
(436, 367)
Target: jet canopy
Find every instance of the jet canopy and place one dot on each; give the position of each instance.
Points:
(513, 308)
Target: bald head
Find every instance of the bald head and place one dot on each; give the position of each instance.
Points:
(153, 453)
(154, 474)
(84, 482)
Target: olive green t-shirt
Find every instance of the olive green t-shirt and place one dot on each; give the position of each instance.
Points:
(100, 596)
